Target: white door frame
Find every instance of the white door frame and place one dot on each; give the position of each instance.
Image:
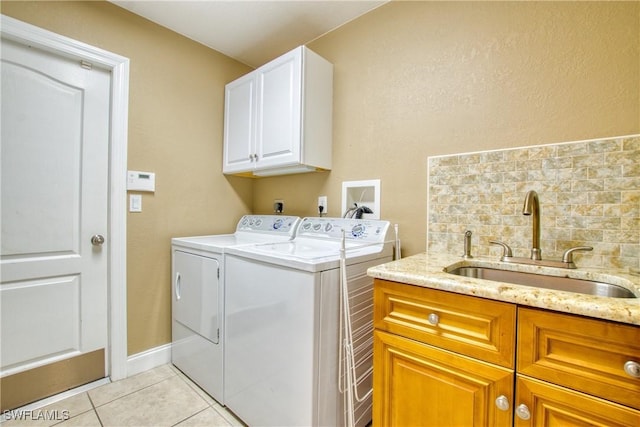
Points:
(117, 235)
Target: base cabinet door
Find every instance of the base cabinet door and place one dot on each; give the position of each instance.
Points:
(540, 404)
(419, 385)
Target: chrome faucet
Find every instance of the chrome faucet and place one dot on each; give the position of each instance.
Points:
(532, 207)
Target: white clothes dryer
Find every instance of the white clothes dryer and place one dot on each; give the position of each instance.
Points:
(282, 321)
(198, 265)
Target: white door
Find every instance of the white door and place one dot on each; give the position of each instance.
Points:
(279, 119)
(54, 190)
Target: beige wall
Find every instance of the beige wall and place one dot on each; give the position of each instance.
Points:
(412, 79)
(176, 103)
(415, 79)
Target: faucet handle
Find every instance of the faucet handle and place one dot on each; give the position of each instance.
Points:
(506, 250)
(567, 256)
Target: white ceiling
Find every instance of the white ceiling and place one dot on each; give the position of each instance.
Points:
(253, 32)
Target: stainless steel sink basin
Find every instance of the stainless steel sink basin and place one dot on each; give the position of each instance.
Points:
(543, 281)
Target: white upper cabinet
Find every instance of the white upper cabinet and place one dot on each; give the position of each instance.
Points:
(278, 118)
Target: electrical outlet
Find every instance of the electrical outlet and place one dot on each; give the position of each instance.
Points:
(322, 205)
(278, 206)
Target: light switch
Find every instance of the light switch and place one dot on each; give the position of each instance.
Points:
(135, 202)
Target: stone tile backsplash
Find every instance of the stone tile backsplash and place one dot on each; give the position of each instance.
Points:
(589, 194)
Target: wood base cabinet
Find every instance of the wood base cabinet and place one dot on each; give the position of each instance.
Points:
(444, 359)
(549, 405)
(441, 359)
(422, 385)
(576, 371)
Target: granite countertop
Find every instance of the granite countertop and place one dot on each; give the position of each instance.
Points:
(427, 270)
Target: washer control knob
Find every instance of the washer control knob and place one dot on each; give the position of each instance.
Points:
(357, 230)
(277, 224)
(328, 226)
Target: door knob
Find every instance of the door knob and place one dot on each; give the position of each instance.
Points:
(97, 240)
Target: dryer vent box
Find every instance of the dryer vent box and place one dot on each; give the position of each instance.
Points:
(363, 193)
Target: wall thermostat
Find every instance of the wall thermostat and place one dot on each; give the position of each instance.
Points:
(141, 181)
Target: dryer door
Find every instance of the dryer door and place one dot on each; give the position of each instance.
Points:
(196, 288)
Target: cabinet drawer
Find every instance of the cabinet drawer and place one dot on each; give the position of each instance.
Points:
(584, 354)
(473, 326)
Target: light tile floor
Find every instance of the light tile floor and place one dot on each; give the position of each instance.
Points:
(159, 397)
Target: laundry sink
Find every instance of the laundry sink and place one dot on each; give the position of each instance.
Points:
(559, 283)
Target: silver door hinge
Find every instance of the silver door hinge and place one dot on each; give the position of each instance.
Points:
(218, 333)
(218, 272)
(86, 65)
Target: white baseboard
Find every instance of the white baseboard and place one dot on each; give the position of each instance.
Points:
(148, 359)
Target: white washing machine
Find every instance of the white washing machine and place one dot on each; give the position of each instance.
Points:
(282, 322)
(198, 265)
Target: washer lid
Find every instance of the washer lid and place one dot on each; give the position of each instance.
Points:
(311, 254)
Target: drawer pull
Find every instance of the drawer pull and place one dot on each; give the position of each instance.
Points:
(433, 318)
(632, 368)
(522, 411)
(502, 402)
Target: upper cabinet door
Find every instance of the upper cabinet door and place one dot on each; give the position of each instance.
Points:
(278, 132)
(239, 124)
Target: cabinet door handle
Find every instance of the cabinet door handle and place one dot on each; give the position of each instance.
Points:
(178, 286)
(522, 411)
(632, 368)
(502, 402)
(434, 319)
